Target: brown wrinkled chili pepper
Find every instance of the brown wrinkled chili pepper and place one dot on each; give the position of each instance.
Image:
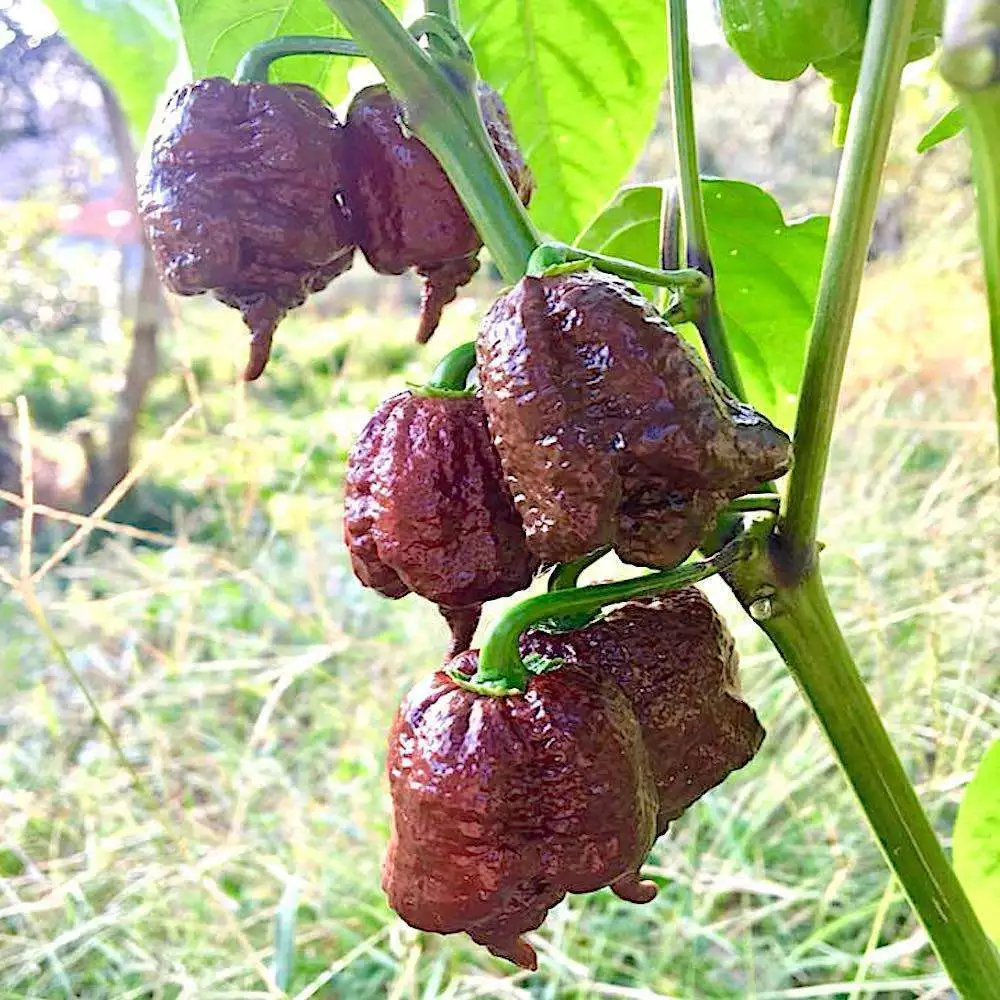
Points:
(427, 509)
(676, 661)
(240, 191)
(408, 213)
(502, 806)
(609, 427)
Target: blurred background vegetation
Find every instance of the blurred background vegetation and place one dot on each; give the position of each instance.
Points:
(249, 679)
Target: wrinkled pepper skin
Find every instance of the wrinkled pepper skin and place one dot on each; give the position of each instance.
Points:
(427, 509)
(501, 806)
(409, 215)
(609, 427)
(240, 192)
(676, 662)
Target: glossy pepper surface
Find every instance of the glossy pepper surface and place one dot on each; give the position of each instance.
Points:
(609, 427)
(240, 191)
(677, 664)
(409, 215)
(501, 806)
(427, 509)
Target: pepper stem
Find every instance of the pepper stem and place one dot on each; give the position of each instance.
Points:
(255, 66)
(689, 280)
(567, 575)
(452, 372)
(501, 669)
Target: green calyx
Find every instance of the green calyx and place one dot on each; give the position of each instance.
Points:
(502, 671)
(255, 66)
(452, 373)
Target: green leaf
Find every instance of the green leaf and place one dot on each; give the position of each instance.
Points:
(766, 273)
(217, 34)
(976, 841)
(946, 127)
(582, 80)
(131, 43)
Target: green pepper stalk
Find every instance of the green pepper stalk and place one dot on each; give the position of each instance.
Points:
(688, 280)
(255, 66)
(502, 671)
(971, 64)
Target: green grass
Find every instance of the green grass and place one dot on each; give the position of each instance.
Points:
(250, 681)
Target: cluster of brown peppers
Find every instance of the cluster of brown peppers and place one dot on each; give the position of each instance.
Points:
(257, 193)
(592, 426)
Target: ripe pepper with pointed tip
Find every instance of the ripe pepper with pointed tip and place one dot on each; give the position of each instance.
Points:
(241, 194)
(409, 215)
(427, 509)
(677, 664)
(502, 806)
(610, 429)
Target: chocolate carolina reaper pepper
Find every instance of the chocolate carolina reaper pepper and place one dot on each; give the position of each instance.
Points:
(408, 213)
(677, 663)
(427, 509)
(501, 806)
(609, 427)
(240, 191)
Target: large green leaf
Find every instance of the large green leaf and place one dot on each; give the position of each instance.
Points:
(976, 841)
(217, 34)
(131, 43)
(766, 272)
(582, 80)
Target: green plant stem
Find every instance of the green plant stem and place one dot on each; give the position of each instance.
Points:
(446, 8)
(843, 264)
(755, 502)
(708, 319)
(448, 122)
(501, 669)
(969, 62)
(689, 280)
(805, 633)
(256, 64)
(452, 371)
(567, 575)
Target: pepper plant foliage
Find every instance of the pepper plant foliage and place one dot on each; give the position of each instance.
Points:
(753, 249)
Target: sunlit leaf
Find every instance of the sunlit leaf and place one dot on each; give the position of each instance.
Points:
(133, 44)
(767, 273)
(976, 841)
(582, 80)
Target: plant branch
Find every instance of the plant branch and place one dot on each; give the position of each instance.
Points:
(843, 264)
(501, 669)
(969, 62)
(448, 121)
(255, 65)
(708, 319)
(800, 623)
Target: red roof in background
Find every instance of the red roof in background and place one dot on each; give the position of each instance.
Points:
(111, 219)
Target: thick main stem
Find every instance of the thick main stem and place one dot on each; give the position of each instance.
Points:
(805, 633)
(709, 321)
(843, 265)
(449, 123)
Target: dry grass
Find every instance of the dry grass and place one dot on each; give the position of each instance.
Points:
(249, 684)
